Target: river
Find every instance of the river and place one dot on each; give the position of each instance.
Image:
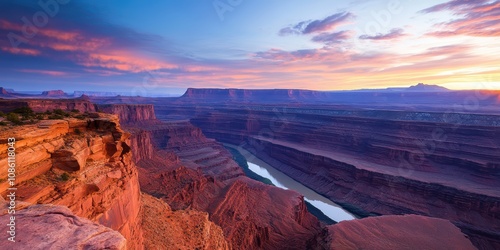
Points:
(281, 180)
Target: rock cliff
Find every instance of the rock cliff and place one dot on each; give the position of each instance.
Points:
(129, 113)
(85, 165)
(189, 171)
(81, 104)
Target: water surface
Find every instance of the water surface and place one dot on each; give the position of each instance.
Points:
(281, 180)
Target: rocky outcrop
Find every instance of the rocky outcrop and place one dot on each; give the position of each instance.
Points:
(4, 92)
(82, 105)
(90, 171)
(54, 93)
(42, 105)
(56, 227)
(181, 229)
(393, 232)
(130, 113)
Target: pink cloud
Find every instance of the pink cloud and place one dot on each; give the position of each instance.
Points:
(477, 18)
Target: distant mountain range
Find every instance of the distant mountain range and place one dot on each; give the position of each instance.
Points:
(191, 92)
(415, 88)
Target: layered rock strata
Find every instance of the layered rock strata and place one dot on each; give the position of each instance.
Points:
(444, 165)
(90, 171)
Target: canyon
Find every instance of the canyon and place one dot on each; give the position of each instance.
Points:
(159, 176)
(432, 161)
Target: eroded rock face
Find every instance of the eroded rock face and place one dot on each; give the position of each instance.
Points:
(56, 227)
(393, 232)
(189, 171)
(79, 104)
(129, 113)
(42, 105)
(91, 172)
(429, 163)
(73, 157)
(181, 229)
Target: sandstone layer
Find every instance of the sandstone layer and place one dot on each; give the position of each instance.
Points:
(85, 165)
(81, 104)
(56, 227)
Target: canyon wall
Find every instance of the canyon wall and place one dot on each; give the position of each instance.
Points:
(129, 113)
(444, 165)
(428, 96)
(85, 165)
(81, 104)
(189, 171)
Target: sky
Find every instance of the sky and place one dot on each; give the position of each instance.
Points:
(159, 47)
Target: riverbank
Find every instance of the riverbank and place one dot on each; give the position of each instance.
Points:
(321, 207)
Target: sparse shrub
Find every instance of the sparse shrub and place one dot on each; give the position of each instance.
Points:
(78, 131)
(39, 117)
(55, 117)
(3, 124)
(64, 177)
(75, 111)
(14, 118)
(48, 112)
(2, 114)
(59, 112)
(24, 111)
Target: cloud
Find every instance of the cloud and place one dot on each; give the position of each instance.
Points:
(393, 34)
(479, 18)
(43, 72)
(332, 38)
(454, 5)
(318, 26)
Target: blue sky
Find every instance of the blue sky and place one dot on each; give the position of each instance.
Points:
(166, 46)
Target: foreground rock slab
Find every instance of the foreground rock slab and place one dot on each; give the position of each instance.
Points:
(56, 227)
(394, 232)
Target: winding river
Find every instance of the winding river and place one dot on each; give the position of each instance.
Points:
(281, 180)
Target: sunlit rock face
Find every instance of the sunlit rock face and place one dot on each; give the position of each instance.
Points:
(56, 227)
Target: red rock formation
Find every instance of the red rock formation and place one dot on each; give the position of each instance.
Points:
(42, 105)
(181, 229)
(437, 164)
(393, 232)
(80, 104)
(56, 227)
(54, 93)
(92, 173)
(129, 113)
(189, 171)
